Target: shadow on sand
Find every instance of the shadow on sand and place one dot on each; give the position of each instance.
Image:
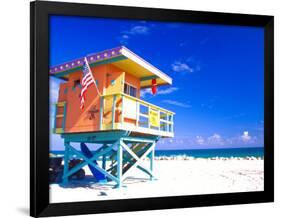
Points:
(23, 210)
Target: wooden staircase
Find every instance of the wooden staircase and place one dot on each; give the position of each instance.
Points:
(128, 161)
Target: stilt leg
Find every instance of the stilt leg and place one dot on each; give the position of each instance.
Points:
(66, 159)
(104, 160)
(119, 165)
(151, 156)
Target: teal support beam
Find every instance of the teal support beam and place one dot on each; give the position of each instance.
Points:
(138, 162)
(104, 159)
(132, 150)
(138, 159)
(66, 159)
(151, 157)
(145, 171)
(95, 157)
(89, 161)
(119, 165)
(113, 111)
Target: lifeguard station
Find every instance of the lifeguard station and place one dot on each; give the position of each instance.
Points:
(126, 127)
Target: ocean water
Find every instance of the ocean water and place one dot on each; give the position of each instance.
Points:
(206, 153)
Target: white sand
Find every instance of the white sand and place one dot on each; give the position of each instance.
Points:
(181, 176)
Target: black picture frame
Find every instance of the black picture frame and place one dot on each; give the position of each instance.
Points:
(39, 108)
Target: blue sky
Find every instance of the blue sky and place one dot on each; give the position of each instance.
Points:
(217, 92)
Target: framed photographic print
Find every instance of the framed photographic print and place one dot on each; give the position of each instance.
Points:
(142, 109)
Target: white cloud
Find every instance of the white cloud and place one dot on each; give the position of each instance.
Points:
(246, 137)
(215, 139)
(144, 92)
(124, 36)
(147, 91)
(179, 66)
(135, 30)
(200, 140)
(177, 103)
(167, 91)
(138, 30)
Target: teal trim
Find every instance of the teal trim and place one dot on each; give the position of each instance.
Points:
(95, 137)
(138, 139)
(64, 73)
(113, 111)
(148, 78)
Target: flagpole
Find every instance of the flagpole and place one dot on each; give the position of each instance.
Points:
(86, 61)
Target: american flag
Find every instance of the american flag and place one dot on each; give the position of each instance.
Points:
(87, 80)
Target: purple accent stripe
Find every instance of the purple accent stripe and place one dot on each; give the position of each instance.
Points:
(91, 58)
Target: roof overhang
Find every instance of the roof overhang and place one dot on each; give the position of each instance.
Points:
(120, 57)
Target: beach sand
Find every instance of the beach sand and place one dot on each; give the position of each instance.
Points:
(174, 177)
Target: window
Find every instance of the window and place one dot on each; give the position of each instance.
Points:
(130, 90)
(76, 84)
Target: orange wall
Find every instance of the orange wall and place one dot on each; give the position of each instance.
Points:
(78, 120)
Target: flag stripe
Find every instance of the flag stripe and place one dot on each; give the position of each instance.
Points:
(87, 80)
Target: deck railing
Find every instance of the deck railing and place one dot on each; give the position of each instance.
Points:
(122, 111)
